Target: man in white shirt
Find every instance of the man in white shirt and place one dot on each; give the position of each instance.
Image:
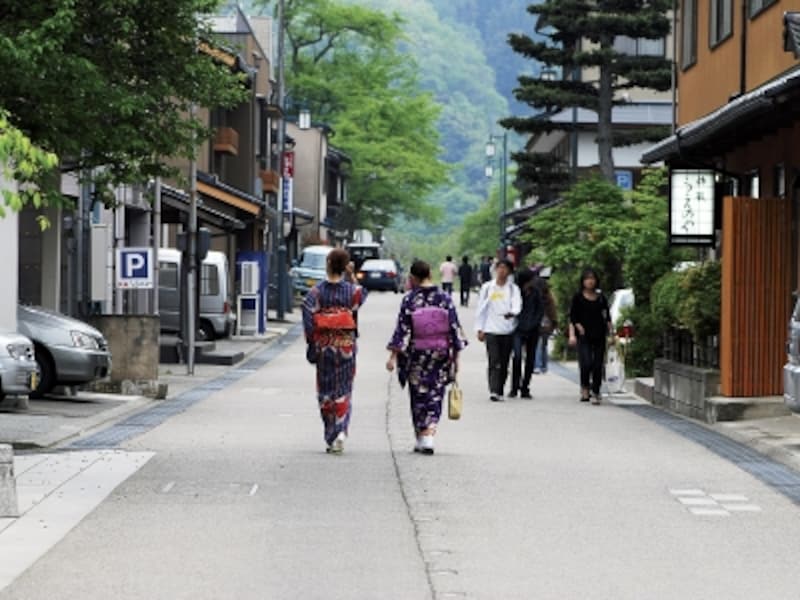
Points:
(499, 303)
(449, 270)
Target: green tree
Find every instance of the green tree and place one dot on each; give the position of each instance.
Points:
(23, 162)
(582, 35)
(343, 60)
(105, 83)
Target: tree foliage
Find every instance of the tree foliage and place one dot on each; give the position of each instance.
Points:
(109, 83)
(581, 35)
(343, 61)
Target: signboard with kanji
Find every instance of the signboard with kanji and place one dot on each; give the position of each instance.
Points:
(691, 207)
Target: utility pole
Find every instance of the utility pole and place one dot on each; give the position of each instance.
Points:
(191, 268)
(281, 242)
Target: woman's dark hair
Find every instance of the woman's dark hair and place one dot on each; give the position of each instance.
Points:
(420, 269)
(337, 261)
(465, 260)
(524, 276)
(589, 272)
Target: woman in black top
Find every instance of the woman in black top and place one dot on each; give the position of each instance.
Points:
(589, 324)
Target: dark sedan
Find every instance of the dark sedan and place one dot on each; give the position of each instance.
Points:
(377, 274)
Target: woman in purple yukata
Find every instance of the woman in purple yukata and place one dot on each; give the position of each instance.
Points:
(330, 323)
(425, 347)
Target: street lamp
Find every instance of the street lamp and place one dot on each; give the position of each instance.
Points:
(491, 151)
(304, 118)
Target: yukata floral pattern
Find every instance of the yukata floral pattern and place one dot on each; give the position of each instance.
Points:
(335, 353)
(427, 372)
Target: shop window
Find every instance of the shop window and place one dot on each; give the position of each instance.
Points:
(721, 21)
(688, 33)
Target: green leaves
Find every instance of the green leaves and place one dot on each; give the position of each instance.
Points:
(110, 82)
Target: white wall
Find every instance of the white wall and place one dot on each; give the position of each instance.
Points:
(624, 157)
(9, 266)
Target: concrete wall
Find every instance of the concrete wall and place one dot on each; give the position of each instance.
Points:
(9, 266)
(133, 342)
(684, 389)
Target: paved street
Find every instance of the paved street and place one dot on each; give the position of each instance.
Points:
(547, 499)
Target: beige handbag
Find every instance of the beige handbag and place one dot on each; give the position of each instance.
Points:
(455, 401)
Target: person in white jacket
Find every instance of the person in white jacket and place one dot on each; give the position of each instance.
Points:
(499, 303)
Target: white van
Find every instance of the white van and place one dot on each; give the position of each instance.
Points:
(216, 317)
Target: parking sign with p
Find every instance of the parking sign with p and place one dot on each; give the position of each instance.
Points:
(135, 268)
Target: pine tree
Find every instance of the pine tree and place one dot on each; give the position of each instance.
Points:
(581, 34)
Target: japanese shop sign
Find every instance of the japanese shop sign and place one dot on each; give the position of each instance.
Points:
(691, 207)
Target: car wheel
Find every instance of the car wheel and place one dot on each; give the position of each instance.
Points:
(47, 373)
(206, 333)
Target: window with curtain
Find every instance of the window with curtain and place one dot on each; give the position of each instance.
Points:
(721, 20)
(688, 33)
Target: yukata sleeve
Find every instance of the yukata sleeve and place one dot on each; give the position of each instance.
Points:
(310, 307)
(402, 329)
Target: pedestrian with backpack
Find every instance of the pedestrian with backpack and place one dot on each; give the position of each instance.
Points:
(330, 324)
(424, 348)
(589, 326)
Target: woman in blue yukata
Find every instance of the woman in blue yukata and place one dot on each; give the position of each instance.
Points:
(425, 347)
(330, 323)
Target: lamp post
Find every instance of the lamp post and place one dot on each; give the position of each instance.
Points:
(491, 151)
(279, 237)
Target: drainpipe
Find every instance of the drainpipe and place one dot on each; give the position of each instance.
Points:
(743, 51)
(674, 70)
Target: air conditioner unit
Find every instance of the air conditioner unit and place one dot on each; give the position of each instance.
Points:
(250, 278)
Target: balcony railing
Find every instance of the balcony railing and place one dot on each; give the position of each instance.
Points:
(227, 140)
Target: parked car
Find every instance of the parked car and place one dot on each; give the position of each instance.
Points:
(361, 251)
(309, 269)
(791, 370)
(67, 351)
(18, 370)
(380, 275)
(216, 317)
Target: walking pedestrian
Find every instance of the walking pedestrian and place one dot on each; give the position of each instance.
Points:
(526, 335)
(448, 270)
(425, 346)
(589, 325)
(499, 303)
(330, 324)
(465, 280)
(486, 270)
(549, 320)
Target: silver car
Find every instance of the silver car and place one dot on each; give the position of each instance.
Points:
(18, 370)
(791, 370)
(67, 351)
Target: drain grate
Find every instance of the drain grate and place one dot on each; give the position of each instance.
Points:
(146, 420)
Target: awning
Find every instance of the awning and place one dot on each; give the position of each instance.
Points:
(208, 185)
(726, 119)
(302, 215)
(791, 33)
(179, 200)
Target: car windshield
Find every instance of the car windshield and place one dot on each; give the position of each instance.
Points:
(378, 265)
(313, 260)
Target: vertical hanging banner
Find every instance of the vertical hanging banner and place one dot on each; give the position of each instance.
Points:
(288, 182)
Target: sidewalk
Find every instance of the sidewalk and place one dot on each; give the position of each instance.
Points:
(50, 422)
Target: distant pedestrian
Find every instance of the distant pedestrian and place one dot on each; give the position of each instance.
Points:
(329, 321)
(499, 303)
(589, 325)
(549, 320)
(425, 346)
(486, 269)
(448, 270)
(465, 280)
(526, 335)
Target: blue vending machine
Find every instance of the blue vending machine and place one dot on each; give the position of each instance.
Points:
(252, 282)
